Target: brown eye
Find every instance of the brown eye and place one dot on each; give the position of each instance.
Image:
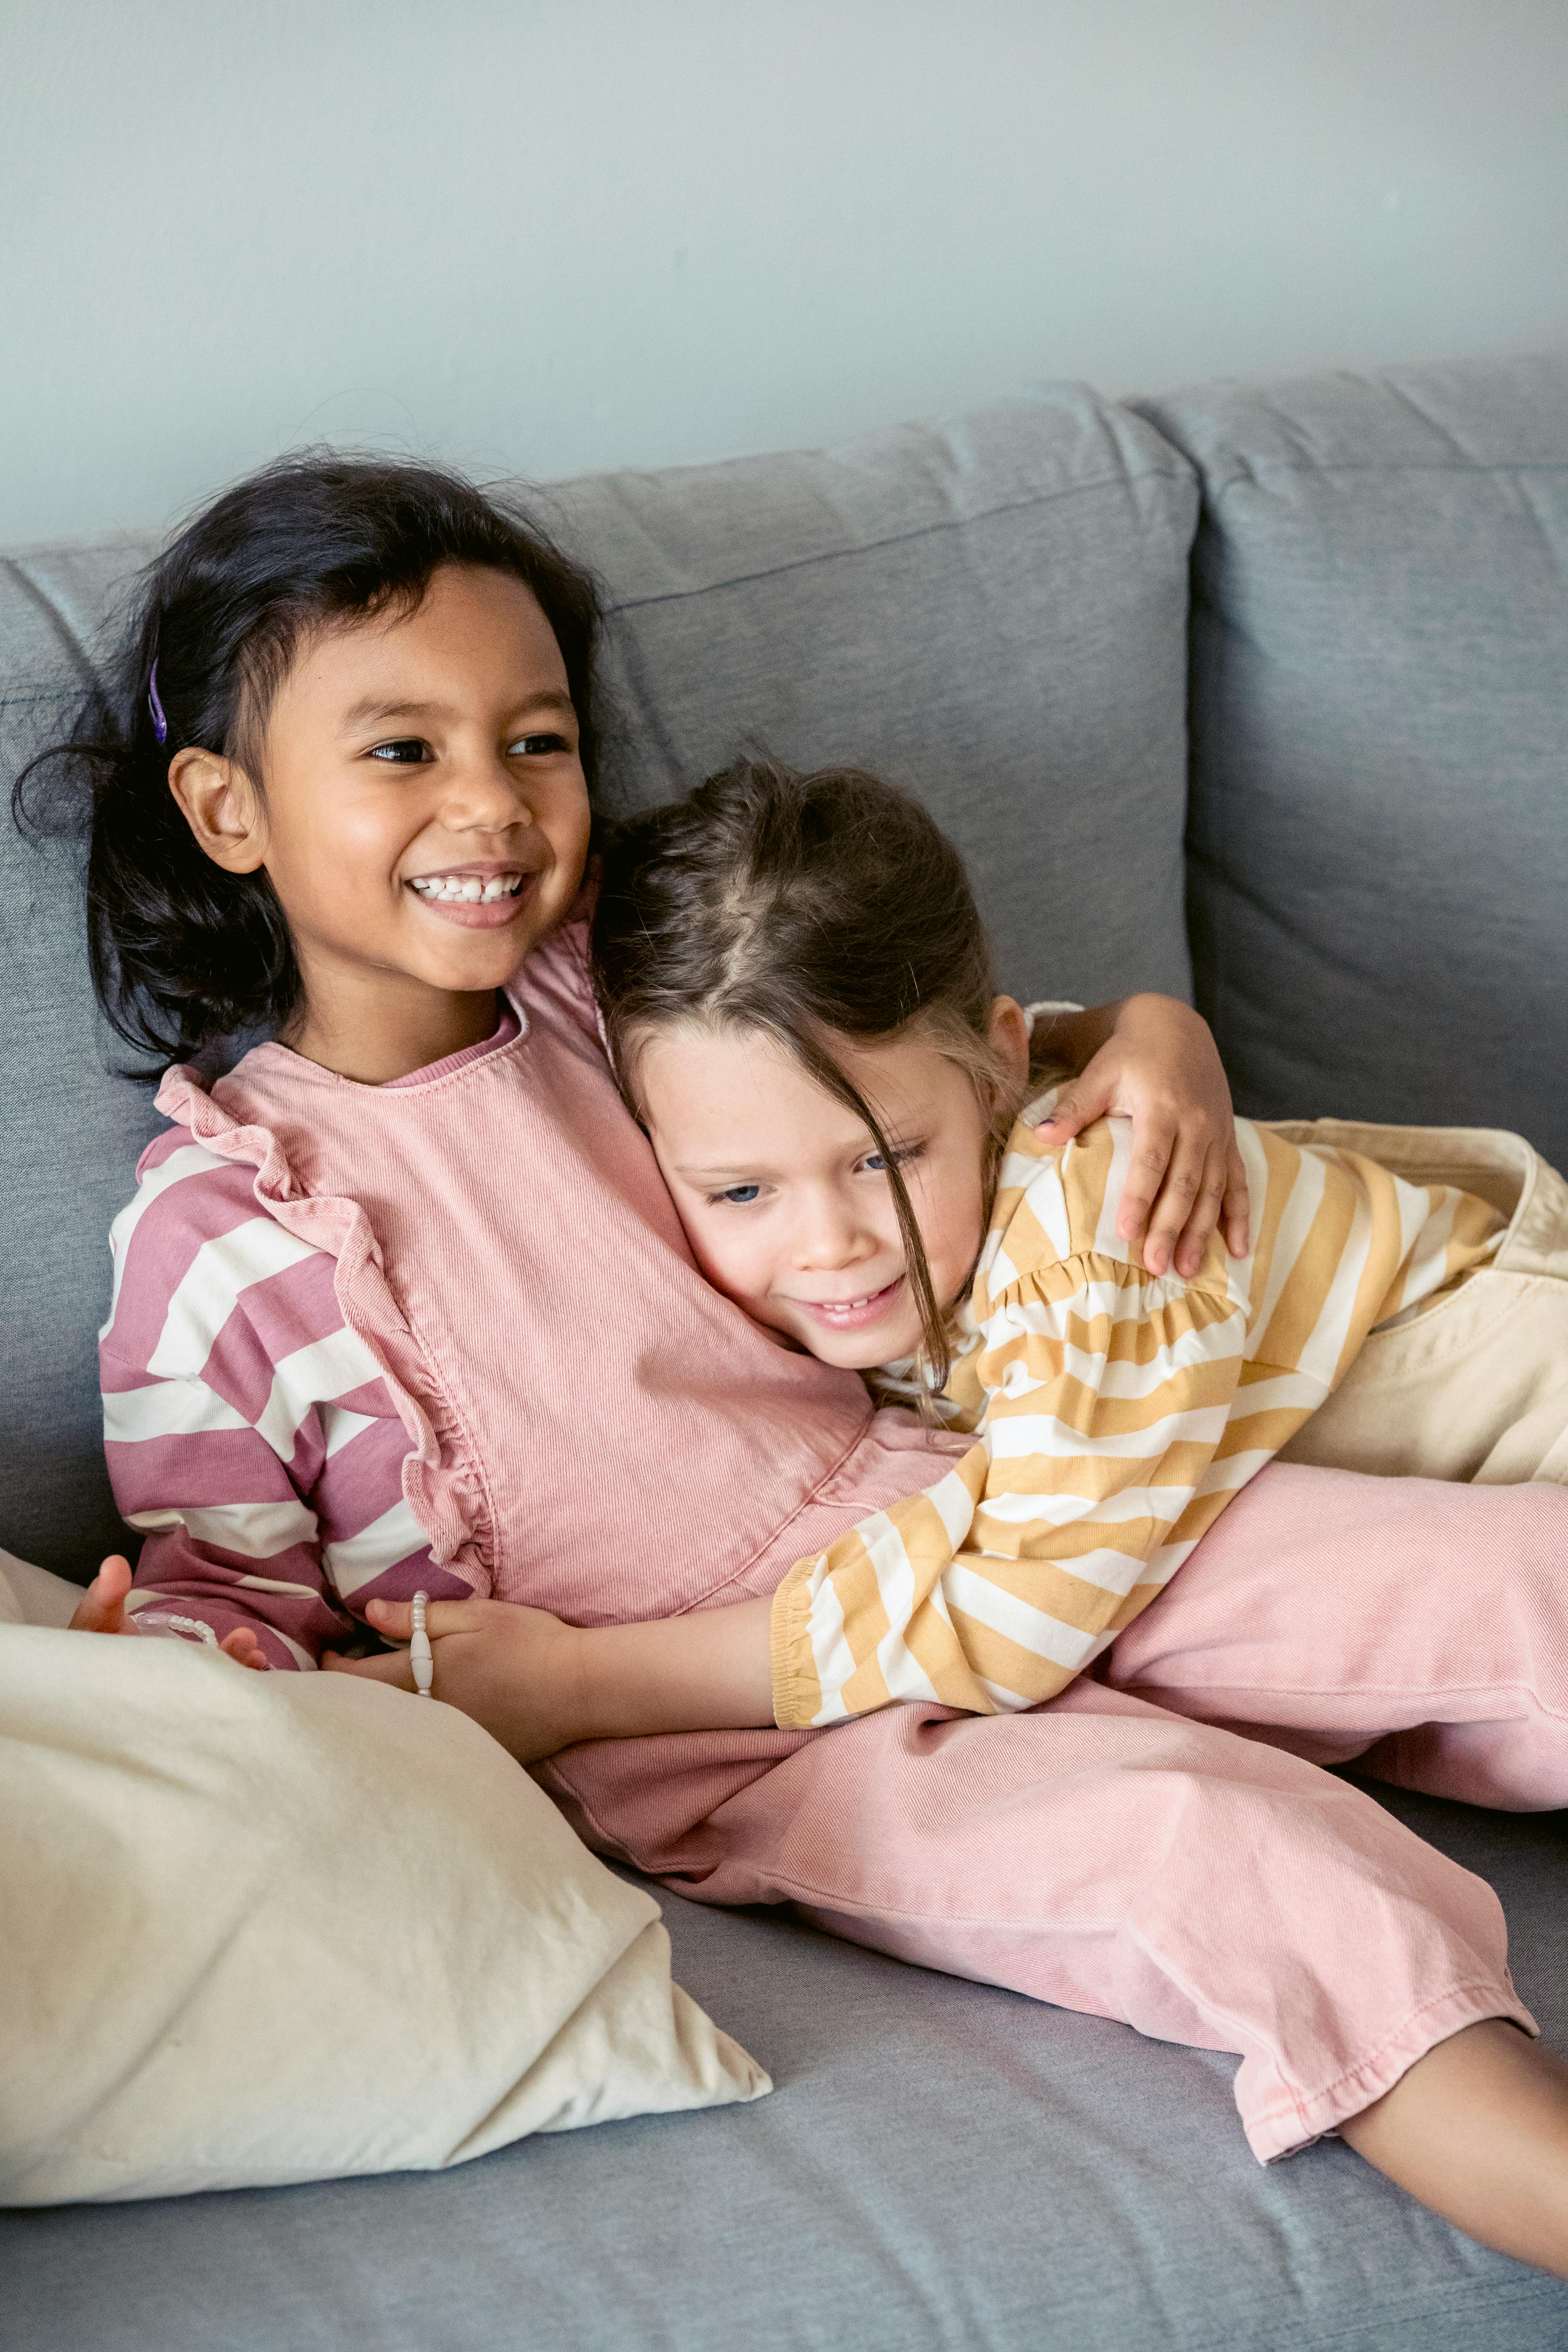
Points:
(533, 747)
(407, 752)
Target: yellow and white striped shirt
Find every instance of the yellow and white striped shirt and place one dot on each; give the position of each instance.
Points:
(1115, 1413)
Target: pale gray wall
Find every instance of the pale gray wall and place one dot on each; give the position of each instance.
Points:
(537, 240)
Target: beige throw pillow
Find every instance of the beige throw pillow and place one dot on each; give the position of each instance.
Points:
(34, 1596)
(271, 1927)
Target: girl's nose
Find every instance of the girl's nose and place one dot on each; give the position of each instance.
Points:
(484, 796)
(831, 1235)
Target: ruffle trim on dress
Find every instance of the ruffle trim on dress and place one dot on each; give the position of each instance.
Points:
(446, 1495)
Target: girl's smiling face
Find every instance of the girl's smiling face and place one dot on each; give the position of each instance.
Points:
(783, 1196)
(422, 814)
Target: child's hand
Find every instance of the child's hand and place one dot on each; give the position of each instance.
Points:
(101, 1610)
(1160, 1067)
(515, 1670)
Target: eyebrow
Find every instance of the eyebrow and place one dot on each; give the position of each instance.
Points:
(723, 1175)
(361, 713)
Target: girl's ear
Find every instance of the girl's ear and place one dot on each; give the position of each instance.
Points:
(1008, 1036)
(222, 807)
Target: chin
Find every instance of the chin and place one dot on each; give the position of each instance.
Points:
(471, 975)
(865, 1352)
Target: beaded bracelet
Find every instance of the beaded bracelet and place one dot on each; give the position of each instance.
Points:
(419, 1650)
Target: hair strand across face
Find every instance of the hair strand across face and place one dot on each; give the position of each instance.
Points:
(810, 908)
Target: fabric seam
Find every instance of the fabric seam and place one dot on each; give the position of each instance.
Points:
(1183, 472)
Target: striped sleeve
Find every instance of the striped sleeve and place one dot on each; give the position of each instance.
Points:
(1114, 1414)
(249, 1431)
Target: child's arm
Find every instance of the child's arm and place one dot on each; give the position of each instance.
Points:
(1120, 1411)
(538, 1685)
(1153, 1060)
(1109, 1393)
(248, 1577)
(1115, 1414)
(247, 1432)
(1111, 1432)
(989, 1548)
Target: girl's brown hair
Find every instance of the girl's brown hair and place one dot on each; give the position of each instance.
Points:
(808, 907)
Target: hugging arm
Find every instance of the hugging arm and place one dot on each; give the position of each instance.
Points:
(538, 1685)
(994, 1588)
(990, 1591)
(1153, 1060)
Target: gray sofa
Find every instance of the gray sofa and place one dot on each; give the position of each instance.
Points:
(1262, 693)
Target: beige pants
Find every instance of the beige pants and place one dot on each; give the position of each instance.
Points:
(1474, 1388)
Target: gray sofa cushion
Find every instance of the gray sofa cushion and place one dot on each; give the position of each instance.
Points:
(994, 612)
(941, 2164)
(1379, 829)
(73, 1131)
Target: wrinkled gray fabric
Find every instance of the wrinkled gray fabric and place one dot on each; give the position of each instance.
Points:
(993, 613)
(1379, 831)
(941, 2165)
(73, 1130)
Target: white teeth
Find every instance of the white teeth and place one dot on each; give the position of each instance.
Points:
(468, 889)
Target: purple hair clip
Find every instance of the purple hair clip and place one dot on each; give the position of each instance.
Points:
(160, 724)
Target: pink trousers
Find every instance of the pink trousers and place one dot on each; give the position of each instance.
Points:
(1160, 1843)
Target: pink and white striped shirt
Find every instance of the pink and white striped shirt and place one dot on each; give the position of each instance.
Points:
(229, 1371)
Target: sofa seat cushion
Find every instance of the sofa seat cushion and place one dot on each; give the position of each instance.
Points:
(941, 2165)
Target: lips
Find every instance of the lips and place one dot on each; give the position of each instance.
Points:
(857, 1314)
(481, 898)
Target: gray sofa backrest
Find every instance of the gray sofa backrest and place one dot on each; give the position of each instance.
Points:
(996, 614)
(993, 613)
(1378, 842)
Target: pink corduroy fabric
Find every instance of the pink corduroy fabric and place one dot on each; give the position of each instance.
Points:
(1417, 1630)
(595, 1432)
(506, 1249)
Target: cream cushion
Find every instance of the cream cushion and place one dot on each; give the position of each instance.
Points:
(271, 1928)
(34, 1596)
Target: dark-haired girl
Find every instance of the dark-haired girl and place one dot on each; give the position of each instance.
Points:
(402, 1303)
(341, 789)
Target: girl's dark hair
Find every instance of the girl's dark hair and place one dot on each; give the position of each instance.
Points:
(184, 953)
(809, 907)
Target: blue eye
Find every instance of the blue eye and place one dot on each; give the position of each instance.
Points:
(904, 1156)
(740, 1196)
